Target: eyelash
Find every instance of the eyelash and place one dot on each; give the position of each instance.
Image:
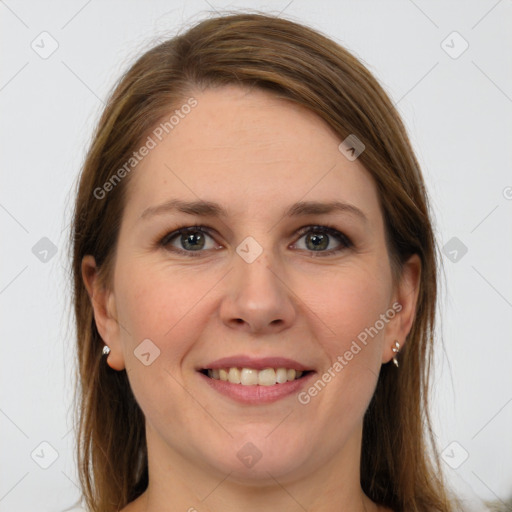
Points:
(330, 230)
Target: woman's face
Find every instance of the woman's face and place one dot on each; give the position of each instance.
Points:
(257, 287)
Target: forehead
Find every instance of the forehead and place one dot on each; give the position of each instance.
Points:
(250, 151)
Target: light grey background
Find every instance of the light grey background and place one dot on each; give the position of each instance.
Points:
(459, 115)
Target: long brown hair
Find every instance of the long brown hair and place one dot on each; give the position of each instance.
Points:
(292, 61)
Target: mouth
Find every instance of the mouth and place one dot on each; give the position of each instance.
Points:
(255, 377)
(255, 381)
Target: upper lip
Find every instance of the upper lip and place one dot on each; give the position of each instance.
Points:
(259, 363)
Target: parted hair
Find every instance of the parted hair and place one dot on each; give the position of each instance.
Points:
(399, 465)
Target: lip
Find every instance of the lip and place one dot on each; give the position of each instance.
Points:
(255, 395)
(260, 363)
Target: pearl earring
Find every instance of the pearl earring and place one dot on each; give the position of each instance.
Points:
(396, 349)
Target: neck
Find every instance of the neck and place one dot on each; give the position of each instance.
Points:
(177, 484)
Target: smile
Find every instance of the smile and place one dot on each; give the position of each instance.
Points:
(254, 377)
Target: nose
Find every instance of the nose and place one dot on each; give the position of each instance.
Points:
(257, 298)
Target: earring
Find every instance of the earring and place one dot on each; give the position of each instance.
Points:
(106, 350)
(396, 349)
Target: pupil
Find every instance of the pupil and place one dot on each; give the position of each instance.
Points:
(319, 241)
(195, 240)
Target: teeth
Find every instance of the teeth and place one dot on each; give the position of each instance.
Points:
(281, 375)
(267, 377)
(234, 375)
(248, 377)
(252, 377)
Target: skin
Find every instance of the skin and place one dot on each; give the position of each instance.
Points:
(255, 155)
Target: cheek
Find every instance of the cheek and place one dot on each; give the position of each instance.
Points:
(355, 300)
(162, 306)
(165, 308)
(152, 297)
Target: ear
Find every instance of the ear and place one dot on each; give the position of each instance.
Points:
(104, 309)
(405, 295)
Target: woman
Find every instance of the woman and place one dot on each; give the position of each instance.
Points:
(255, 283)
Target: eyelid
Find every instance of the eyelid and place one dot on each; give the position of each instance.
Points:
(331, 230)
(169, 236)
(184, 229)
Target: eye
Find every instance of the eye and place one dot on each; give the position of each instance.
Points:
(319, 239)
(193, 240)
(188, 240)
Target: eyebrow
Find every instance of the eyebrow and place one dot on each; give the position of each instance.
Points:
(211, 209)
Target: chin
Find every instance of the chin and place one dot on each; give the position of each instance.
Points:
(257, 460)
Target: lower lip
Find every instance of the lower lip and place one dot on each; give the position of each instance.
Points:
(256, 394)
